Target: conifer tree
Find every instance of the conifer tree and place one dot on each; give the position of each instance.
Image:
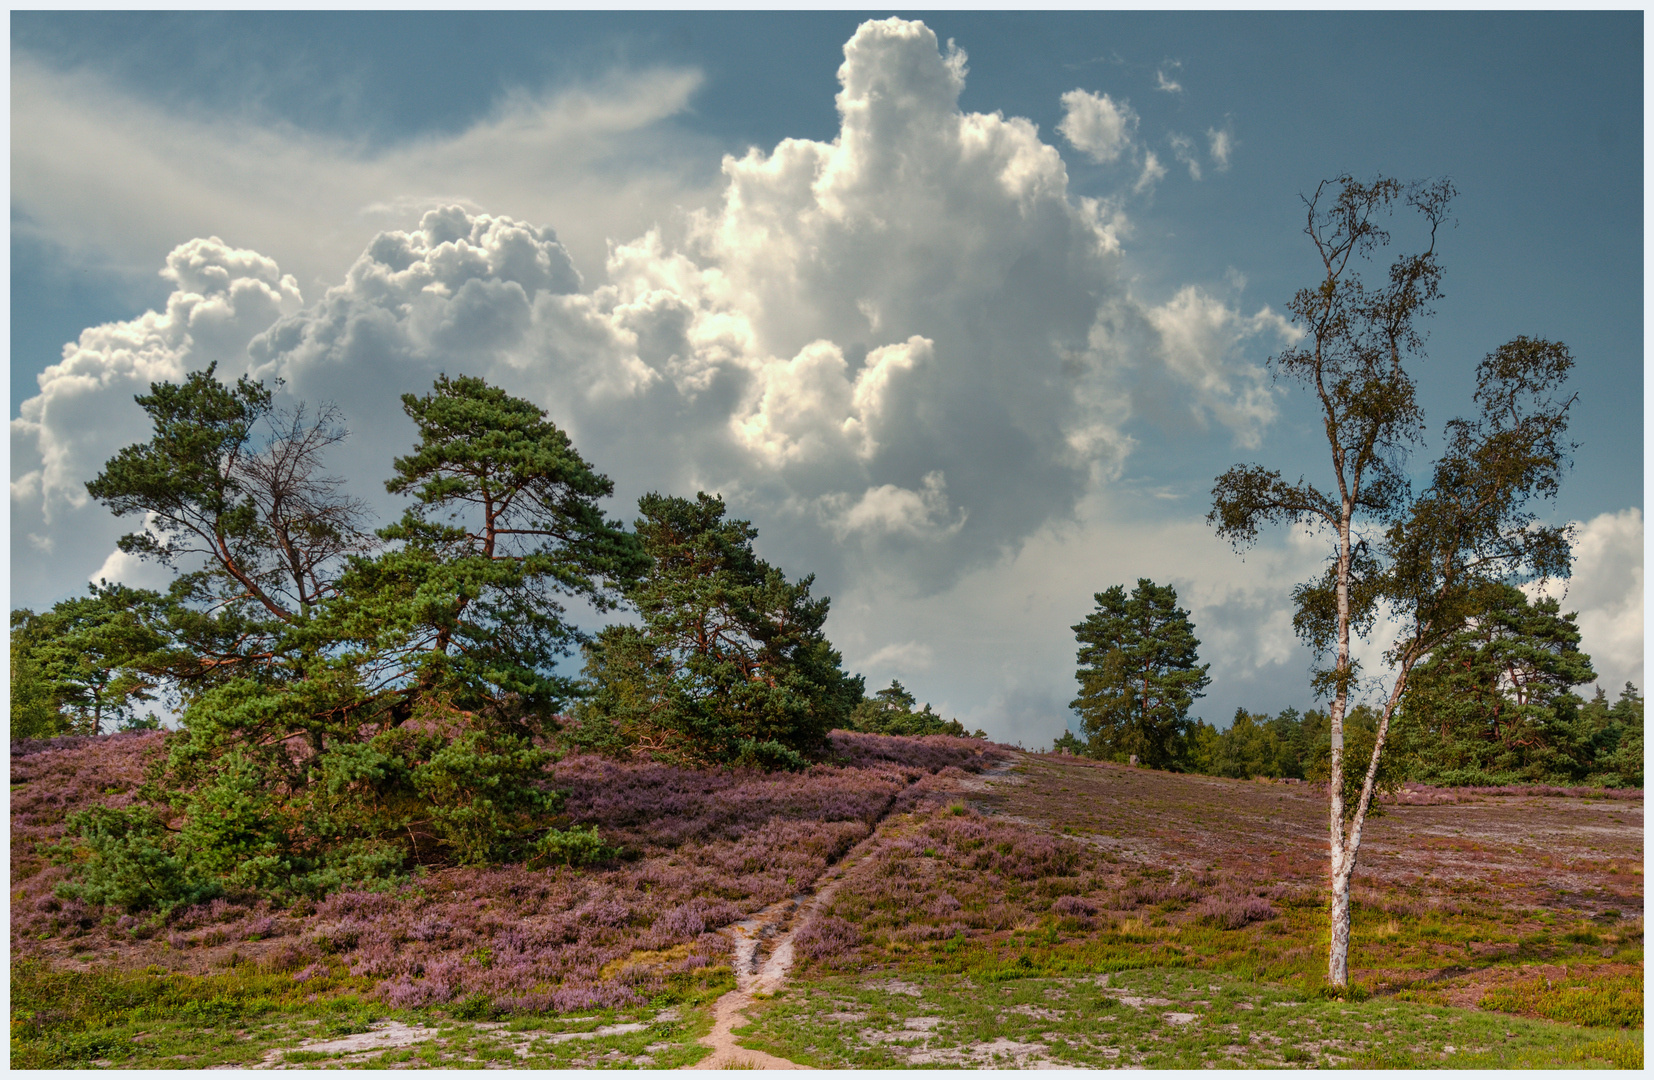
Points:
(1139, 673)
(730, 665)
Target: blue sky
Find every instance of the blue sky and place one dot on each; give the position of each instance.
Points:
(302, 136)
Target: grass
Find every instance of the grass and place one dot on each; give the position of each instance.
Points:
(1165, 1018)
(154, 1019)
(1612, 1002)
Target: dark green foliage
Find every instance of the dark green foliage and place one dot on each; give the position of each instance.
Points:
(1139, 673)
(35, 712)
(185, 479)
(730, 666)
(125, 861)
(346, 712)
(1360, 734)
(1067, 743)
(484, 794)
(1254, 745)
(891, 712)
(1494, 703)
(1603, 743)
(77, 669)
(1615, 736)
(505, 522)
(578, 845)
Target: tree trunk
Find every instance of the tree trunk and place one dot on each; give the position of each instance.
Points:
(1347, 845)
(1338, 958)
(1340, 860)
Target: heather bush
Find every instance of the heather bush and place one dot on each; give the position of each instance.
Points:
(825, 938)
(1074, 906)
(1159, 892)
(1231, 912)
(697, 917)
(705, 848)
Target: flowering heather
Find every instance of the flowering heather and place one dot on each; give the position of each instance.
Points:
(1231, 912)
(702, 849)
(826, 937)
(1414, 794)
(947, 874)
(53, 777)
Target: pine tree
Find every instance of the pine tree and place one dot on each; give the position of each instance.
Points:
(1139, 673)
(730, 665)
(1494, 703)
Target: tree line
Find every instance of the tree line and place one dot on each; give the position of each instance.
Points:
(353, 701)
(1494, 705)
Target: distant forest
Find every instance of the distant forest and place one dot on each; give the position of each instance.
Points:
(1493, 705)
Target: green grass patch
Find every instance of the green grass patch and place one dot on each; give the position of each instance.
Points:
(1165, 1018)
(153, 1019)
(1614, 1001)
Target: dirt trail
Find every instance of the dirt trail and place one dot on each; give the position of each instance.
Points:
(777, 924)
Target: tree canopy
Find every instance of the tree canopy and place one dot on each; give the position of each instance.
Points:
(730, 665)
(351, 702)
(1496, 700)
(1139, 673)
(891, 711)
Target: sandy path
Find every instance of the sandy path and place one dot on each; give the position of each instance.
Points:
(778, 923)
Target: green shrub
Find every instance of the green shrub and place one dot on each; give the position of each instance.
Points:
(578, 845)
(130, 864)
(483, 791)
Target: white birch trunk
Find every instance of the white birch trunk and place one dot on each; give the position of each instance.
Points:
(1343, 861)
(1340, 865)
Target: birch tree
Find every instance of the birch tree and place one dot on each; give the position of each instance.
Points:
(1425, 561)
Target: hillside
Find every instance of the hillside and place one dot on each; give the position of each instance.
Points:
(934, 900)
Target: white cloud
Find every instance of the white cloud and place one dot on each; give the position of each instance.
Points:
(1097, 125)
(1183, 149)
(1222, 144)
(1606, 589)
(223, 296)
(107, 176)
(1152, 173)
(1168, 85)
(900, 657)
(888, 509)
(1199, 336)
(909, 353)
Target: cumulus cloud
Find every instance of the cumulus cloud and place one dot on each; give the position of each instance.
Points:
(1097, 125)
(891, 509)
(1606, 589)
(1161, 82)
(1199, 341)
(222, 297)
(907, 353)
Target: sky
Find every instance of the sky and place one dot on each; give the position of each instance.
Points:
(964, 311)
